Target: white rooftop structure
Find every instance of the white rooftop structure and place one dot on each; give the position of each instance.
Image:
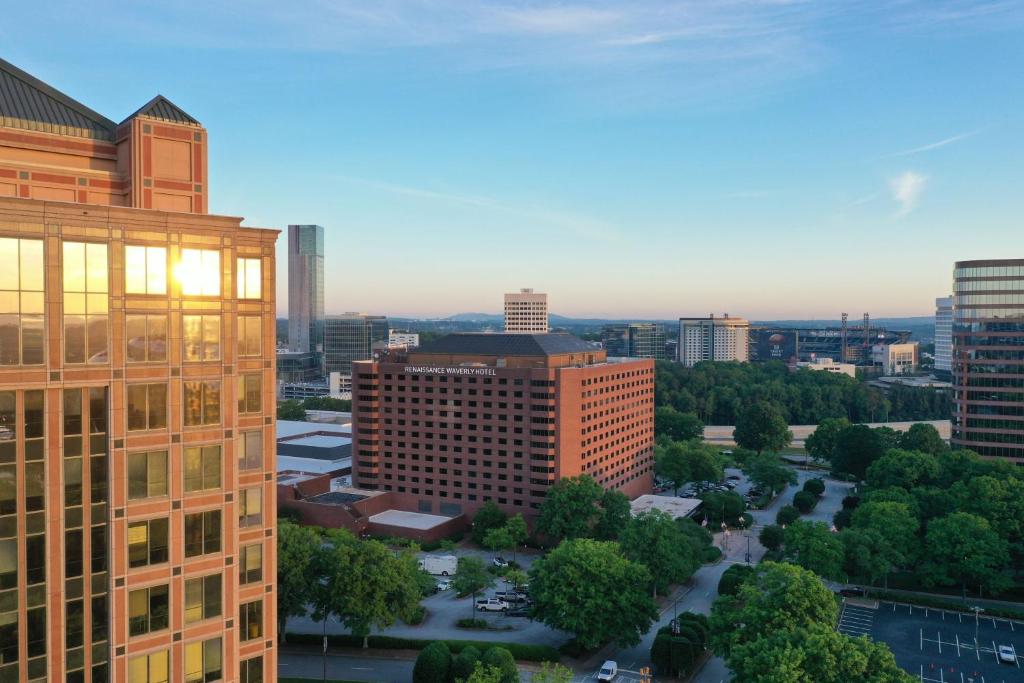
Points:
(290, 463)
(409, 520)
(672, 505)
(288, 429)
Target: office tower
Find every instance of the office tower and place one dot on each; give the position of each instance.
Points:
(399, 339)
(711, 338)
(504, 415)
(634, 340)
(988, 358)
(136, 374)
(351, 337)
(943, 335)
(306, 288)
(526, 312)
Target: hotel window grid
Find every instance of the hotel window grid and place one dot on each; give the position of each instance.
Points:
(250, 620)
(151, 668)
(250, 507)
(146, 338)
(85, 302)
(250, 450)
(148, 610)
(249, 282)
(204, 661)
(202, 468)
(202, 533)
(147, 475)
(21, 301)
(146, 406)
(249, 393)
(201, 337)
(199, 272)
(202, 598)
(250, 565)
(250, 333)
(202, 403)
(251, 670)
(145, 270)
(147, 542)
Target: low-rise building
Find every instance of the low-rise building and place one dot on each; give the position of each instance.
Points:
(829, 365)
(895, 359)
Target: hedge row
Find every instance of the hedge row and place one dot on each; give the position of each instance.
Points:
(527, 653)
(940, 603)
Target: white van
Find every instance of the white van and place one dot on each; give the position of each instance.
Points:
(440, 565)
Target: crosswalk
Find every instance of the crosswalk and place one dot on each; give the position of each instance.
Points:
(856, 620)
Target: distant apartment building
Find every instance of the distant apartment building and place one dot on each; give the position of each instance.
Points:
(137, 503)
(351, 337)
(895, 359)
(526, 312)
(634, 340)
(306, 289)
(988, 358)
(475, 417)
(944, 336)
(406, 340)
(829, 365)
(715, 339)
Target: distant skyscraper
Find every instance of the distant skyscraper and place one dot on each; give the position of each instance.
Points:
(988, 358)
(711, 338)
(306, 288)
(634, 340)
(943, 334)
(526, 312)
(350, 337)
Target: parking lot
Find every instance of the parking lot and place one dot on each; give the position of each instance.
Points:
(937, 645)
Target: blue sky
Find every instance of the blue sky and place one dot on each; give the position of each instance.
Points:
(766, 158)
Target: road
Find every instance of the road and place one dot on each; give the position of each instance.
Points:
(722, 435)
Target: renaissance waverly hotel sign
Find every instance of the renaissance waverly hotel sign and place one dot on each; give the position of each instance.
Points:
(440, 370)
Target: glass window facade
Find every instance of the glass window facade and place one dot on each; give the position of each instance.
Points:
(199, 272)
(146, 337)
(201, 337)
(21, 301)
(249, 283)
(85, 302)
(145, 270)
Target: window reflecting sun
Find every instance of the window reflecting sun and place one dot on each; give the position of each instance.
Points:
(198, 272)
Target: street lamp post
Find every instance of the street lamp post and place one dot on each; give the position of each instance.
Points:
(977, 610)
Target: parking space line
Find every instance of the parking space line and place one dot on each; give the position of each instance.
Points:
(939, 634)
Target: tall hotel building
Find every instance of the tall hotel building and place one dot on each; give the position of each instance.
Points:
(474, 417)
(944, 336)
(306, 289)
(988, 358)
(711, 338)
(526, 312)
(136, 343)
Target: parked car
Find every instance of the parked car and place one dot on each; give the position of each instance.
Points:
(491, 605)
(520, 611)
(443, 565)
(1007, 654)
(512, 596)
(609, 670)
(734, 477)
(500, 562)
(444, 585)
(852, 592)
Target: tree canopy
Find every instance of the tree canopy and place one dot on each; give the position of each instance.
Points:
(677, 426)
(683, 461)
(655, 540)
(297, 548)
(762, 427)
(579, 507)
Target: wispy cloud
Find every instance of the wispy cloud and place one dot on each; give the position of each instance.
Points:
(906, 190)
(936, 145)
(568, 221)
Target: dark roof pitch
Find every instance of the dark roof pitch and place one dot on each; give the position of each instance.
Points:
(162, 108)
(28, 103)
(506, 344)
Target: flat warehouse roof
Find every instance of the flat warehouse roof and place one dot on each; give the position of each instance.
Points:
(289, 428)
(409, 520)
(672, 505)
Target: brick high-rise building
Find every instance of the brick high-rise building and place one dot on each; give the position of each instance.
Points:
(137, 505)
(526, 312)
(474, 417)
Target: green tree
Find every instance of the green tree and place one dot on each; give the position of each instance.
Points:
(552, 672)
(290, 410)
(464, 663)
(804, 501)
(923, 438)
(516, 578)
(786, 515)
(762, 427)
(822, 441)
(962, 549)
(866, 557)
(502, 660)
(769, 472)
(895, 523)
(654, 540)
(778, 597)
(433, 665)
(589, 589)
(855, 449)
(297, 563)
(999, 500)
(485, 674)
(902, 469)
(571, 508)
(365, 585)
(471, 577)
(733, 578)
(676, 425)
(722, 506)
(815, 487)
(488, 517)
(615, 513)
(680, 462)
(517, 531)
(813, 546)
(772, 536)
(498, 539)
(327, 403)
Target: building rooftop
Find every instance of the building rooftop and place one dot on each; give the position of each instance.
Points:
(485, 344)
(290, 429)
(294, 463)
(409, 520)
(337, 498)
(672, 505)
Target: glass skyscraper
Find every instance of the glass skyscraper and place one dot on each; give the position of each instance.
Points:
(351, 337)
(306, 288)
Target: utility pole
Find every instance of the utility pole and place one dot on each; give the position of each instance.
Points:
(977, 610)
